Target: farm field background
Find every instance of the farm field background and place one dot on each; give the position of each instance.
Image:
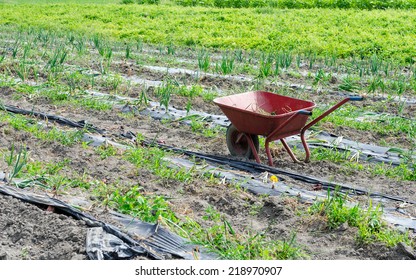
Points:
(388, 33)
(138, 83)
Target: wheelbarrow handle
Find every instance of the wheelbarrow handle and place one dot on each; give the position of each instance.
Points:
(326, 113)
(330, 110)
(305, 112)
(356, 98)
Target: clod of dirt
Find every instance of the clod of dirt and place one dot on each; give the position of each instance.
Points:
(28, 232)
(273, 208)
(406, 250)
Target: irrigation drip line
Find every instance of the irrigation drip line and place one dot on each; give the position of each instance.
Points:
(254, 167)
(81, 124)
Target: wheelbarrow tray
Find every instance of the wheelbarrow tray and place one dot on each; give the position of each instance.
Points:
(261, 112)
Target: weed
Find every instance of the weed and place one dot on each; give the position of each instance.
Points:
(147, 208)
(105, 151)
(73, 79)
(223, 239)
(349, 84)
(151, 158)
(369, 223)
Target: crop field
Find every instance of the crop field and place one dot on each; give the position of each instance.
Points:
(109, 108)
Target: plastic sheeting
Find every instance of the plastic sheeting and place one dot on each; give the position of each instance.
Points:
(254, 168)
(366, 152)
(107, 242)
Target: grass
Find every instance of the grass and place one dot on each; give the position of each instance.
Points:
(300, 4)
(350, 116)
(350, 162)
(219, 237)
(53, 134)
(371, 227)
(152, 158)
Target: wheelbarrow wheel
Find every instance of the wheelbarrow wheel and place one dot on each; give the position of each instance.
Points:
(238, 145)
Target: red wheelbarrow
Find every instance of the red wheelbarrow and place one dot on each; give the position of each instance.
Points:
(271, 115)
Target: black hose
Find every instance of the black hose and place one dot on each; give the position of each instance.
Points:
(58, 119)
(254, 167)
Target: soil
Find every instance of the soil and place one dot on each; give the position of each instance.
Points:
(30, 232)
(276, 215)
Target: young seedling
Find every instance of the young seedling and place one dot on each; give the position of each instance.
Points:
(128, 51)
(227, 64)
(203, 61)
(265, 68)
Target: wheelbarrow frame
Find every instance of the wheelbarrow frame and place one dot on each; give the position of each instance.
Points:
(251, 123)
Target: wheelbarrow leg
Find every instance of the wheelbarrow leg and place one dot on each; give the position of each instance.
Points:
(276, 131)
(289, 151)
(252, 147)
(269, 155)
(305, 146)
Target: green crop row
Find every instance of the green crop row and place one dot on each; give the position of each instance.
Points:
(297, 4)
(340, 33)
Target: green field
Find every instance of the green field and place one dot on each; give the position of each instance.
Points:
(48, 2)
(388, 33)
(114, 104)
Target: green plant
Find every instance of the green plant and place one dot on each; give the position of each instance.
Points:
(171, 49)
(143, 100)
(164, 93)
(203, 60)
(106, 151)
(57, 59)
(369, 222)
(265, 68)
(349, 84)
(22, 70)
(321, 76)
(226, 65)
(376, 82)
(147, 208)
(128, 51)
(16, 162)
(284, 59)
